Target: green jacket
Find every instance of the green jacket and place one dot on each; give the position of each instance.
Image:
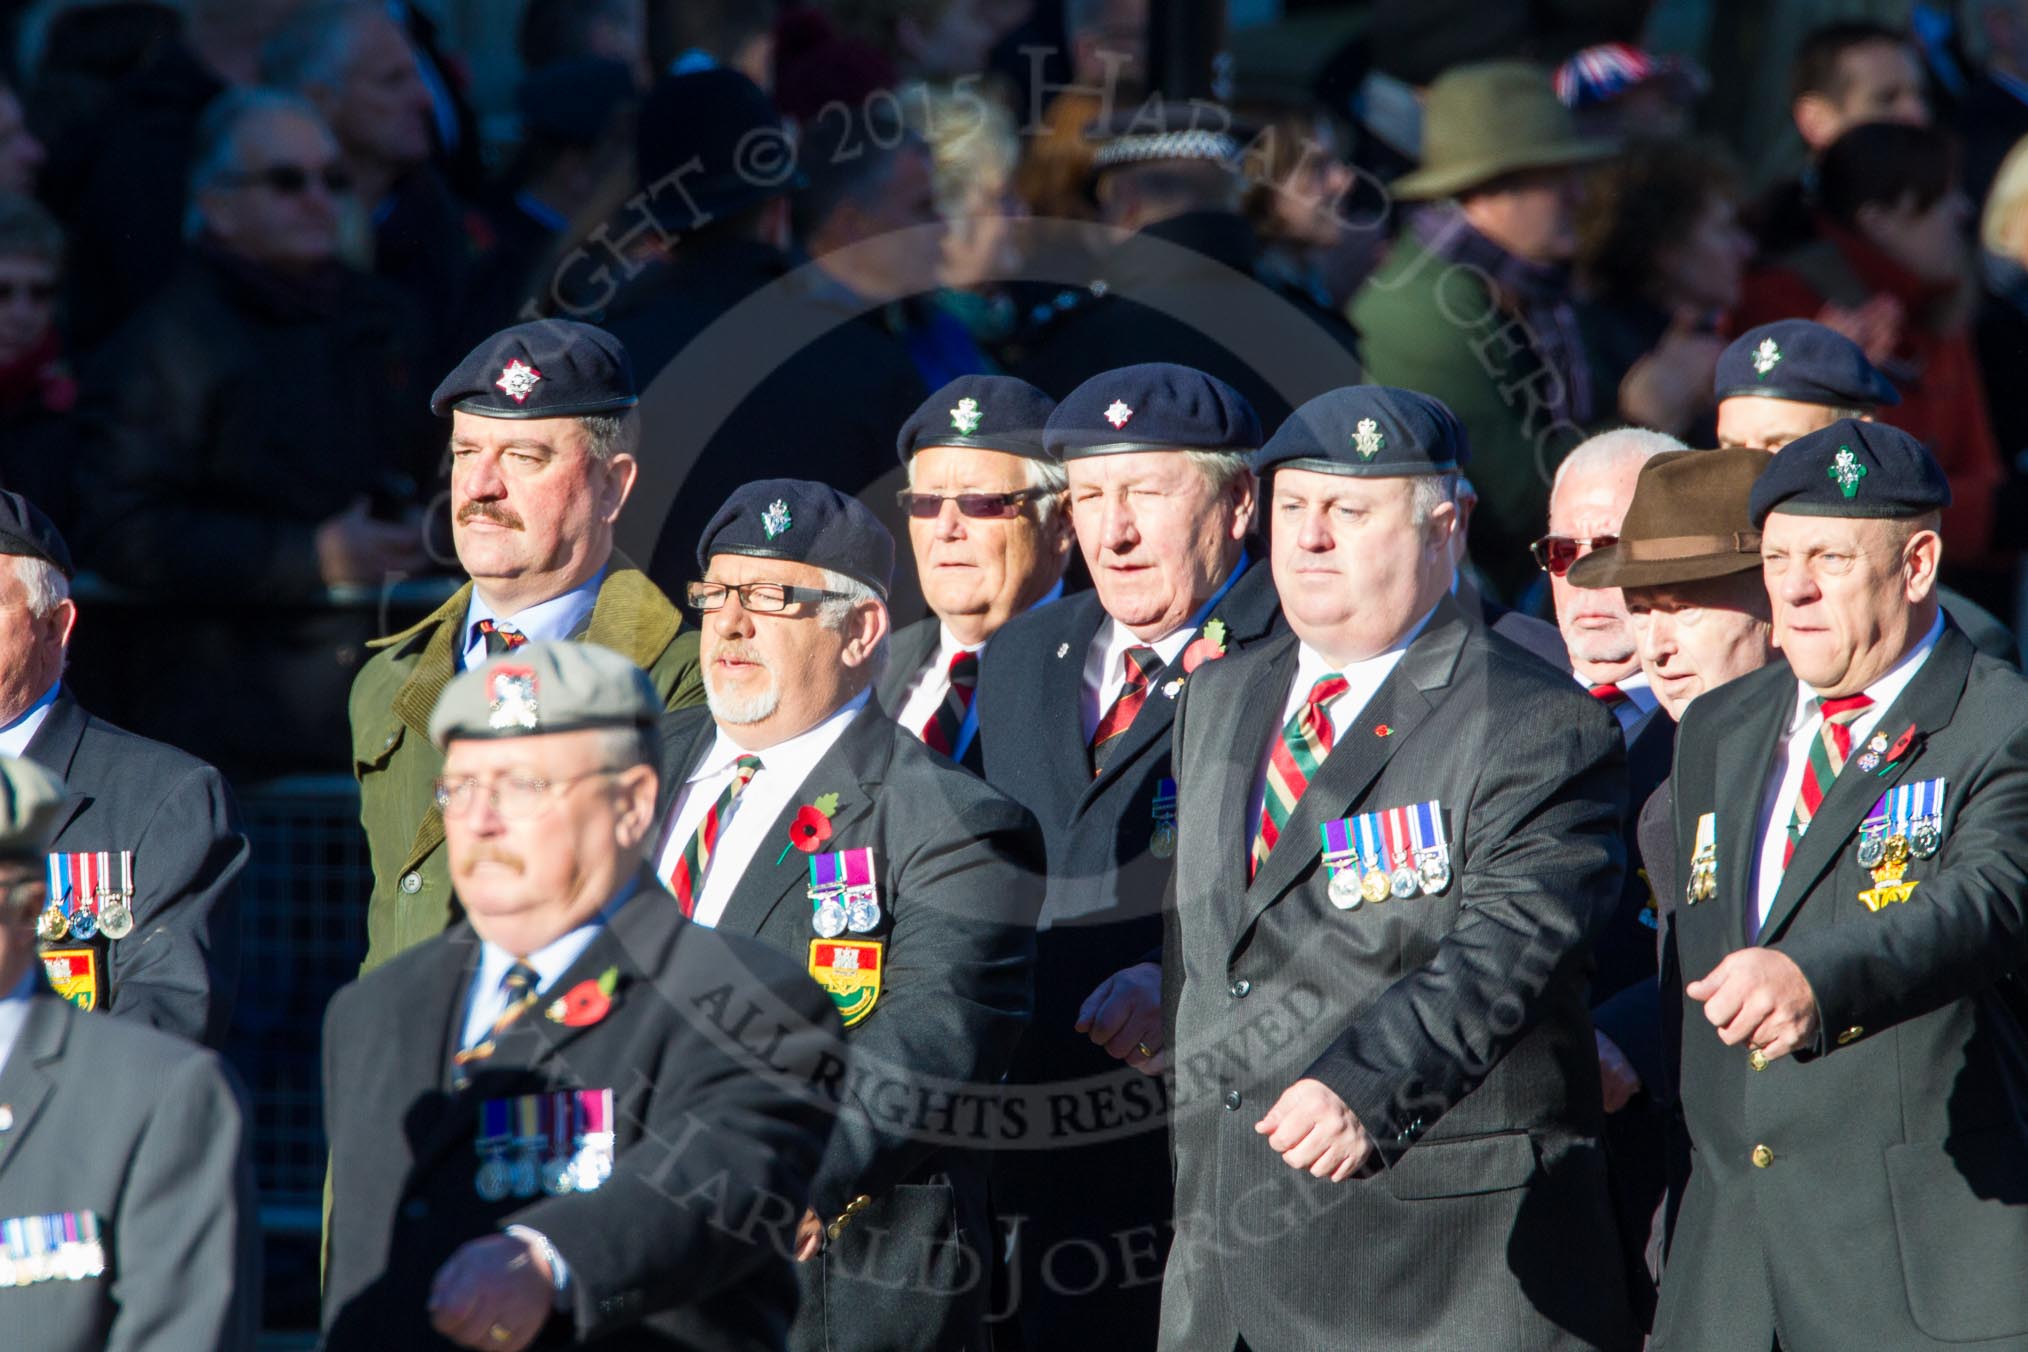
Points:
(1426, 325)
(397, 766)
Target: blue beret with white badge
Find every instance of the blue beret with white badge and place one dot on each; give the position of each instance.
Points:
(1804, 362)
(1155, 406)
(1369, 431)
(1851, 469)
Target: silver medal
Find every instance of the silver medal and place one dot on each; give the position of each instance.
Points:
(1923, 841)
(527, 1179)
(1163, 843)
(829, 918)
(1345, 889)
(862, 913)
(1434, 872)
(116, 918)
(495, 1179)
(1404, 883)
(1872, 849)
(558, 1177)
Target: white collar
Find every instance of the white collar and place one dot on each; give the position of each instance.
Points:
(557, 618)
(1882, 692)
(795, 757)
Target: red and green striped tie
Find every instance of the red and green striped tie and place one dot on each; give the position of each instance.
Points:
(1828, 752)
(1140, 664)
(1302, 747)
(686, 880)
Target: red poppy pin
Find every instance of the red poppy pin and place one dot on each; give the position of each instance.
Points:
(585, 1003)
(1208, 647)
(1900, 747)
(811, 829)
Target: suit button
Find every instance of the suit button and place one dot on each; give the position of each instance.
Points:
(1241, 989)
(388, 745)
(411, 883)
(1762, 1157)
(1852, 1034)
(1232, 1100)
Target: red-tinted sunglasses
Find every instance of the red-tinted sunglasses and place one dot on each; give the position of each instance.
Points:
(978, 506)
(1555, 553)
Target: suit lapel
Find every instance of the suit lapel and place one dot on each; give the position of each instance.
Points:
(1247, 740)
(1927, 703)
(418, 697)
(1741, 767)
(54, 747)
(910, 649)
(1062, 692)
(26, 1083)
(431, 1021)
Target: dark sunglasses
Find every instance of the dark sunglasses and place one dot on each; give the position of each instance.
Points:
(978, 506)
(290, 180)
(42, 293)
(1555, 553)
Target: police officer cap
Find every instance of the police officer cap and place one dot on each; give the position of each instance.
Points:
(541, 688)
(1166, 130)
(545, 368)
(803, 522)
(1851, 468)
(1156, 406)
(26, 533)
(1369, 432)
(1803, 362)
(987, 413)
(29, 798)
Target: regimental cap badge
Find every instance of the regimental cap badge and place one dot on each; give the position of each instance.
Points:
(511, 691)
(1117, 413)
(965, 417)
(1766, 357)
(776, 519)
(517, 380)
(1846, 471)
(1368, 440)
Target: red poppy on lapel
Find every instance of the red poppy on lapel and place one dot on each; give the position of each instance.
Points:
(1209, 648)
(1895, 752)
(587, 1002)
(811, 830)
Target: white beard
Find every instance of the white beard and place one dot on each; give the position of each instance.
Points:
(740, 711)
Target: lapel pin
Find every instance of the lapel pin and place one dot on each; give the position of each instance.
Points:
(1170, 690)
(1382, 730)
(1062, 651)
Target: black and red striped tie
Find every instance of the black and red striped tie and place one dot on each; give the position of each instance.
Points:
(1141, 665)
(941, 732)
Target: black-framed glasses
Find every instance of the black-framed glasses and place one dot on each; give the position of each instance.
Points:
(291, 180)
(518, 798)
(1555, 553)
(763, 598)
(978, 506)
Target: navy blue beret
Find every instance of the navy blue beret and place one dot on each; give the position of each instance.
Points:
(988, 413)
(1369, 431)
(1803, 362)
(1851, 468)
(26, 533)
(545, 368)
(1156, 406)
(803, 522)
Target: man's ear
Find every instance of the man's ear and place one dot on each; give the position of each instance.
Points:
(1817, 119)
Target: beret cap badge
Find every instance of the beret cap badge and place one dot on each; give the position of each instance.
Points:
(776, 520)
(511, 691)
(1846, 471)
(1766, 357)
(965, 417)
(1367, 439)
(1117, 413)
(517, 380)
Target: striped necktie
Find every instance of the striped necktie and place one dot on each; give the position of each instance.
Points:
(1302, 747)
(1610, 695)
(499, 640)
(1141, 663)
(1828, 752)
(518, 983)
(686, 880)
(941, 732)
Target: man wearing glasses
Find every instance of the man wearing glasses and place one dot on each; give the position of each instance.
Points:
(990, 527)
(525, 1111)
(797, 811)
(543, 437)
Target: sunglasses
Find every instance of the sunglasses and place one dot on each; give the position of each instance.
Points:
(1555, 553)
(978, 506)
(291, 180)
(42, 293)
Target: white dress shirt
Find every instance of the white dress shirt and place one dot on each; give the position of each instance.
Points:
(487, 999)
(744, 832)
(557, 618)
(1362, 681)
(1785, 780)
(1105, 665)
(14, 1009)
(15, 737)
(1633, 711)
(932, 682)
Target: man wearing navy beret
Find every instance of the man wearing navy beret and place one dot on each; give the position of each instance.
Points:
(1399, 835)
(543, 442)
(989, 523)
(1855, 825)
(1075, 707)
(797, 811)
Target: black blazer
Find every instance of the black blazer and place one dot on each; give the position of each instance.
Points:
(1890, 1208)
(712, 1047)
(959, 868)
(907, 651)
(1453, 1025)
(179, 967)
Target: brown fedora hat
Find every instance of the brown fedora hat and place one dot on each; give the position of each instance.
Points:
(1688, 521)
(1489, 119)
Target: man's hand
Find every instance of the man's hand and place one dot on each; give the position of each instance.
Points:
(355, 549)
(1311, 1128)
(809, 1236)
(1760, 997)
(1616, 1074)
(1670, 385)
(1124, 1015)
(494, 1293)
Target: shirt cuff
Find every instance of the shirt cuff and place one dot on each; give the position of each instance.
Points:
(559, 1271)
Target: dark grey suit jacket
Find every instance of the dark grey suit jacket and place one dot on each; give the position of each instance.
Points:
(907, 651)
(711, 1047)
(959, 868)
(152, 1134)
(179, 967)
(1454, 1026)
(1894, 1209)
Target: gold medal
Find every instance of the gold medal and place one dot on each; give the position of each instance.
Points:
(1375, 886)
(52, 926)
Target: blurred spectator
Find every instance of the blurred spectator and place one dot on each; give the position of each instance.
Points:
(1661, 255)
(819, 68)
(699, 34)
(1616, 89)
(454, 124)
(973, 151)
(1891, 272)
(1475, 306)
(249, 440)
(1843, 74)
(37, 391)
(555, 31)
(933, 39)
(118, 183)
(2002, 336)
(1994, 112)
(1300, 197)
(1108, 47)
(21, 155)
(355, 66)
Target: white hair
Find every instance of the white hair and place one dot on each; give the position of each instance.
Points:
(47, 588)
(1048, 475)
(1430, 491)
(1220, 468)
(1610, 450)
(836, 612)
